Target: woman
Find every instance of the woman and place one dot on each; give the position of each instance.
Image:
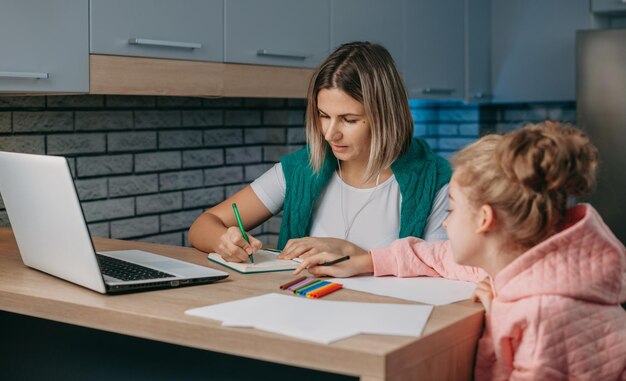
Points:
(361, 164)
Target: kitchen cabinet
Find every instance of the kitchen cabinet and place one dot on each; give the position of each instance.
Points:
(533, 49)
(375, 21)
(276, 32)
(184, 29)
(608, 6)
(44, 46)
(478, 51)
(435, 49)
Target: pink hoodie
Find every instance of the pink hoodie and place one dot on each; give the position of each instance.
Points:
(555, 313)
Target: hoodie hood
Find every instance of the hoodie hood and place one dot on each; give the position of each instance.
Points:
(584, 261)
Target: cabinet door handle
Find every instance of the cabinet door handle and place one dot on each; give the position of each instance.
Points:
(485, 95)
(163, 43)
(23, 74)
(293, 56)
(437, 91)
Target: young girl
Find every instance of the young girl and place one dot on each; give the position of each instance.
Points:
(556, 274)
(361, 164)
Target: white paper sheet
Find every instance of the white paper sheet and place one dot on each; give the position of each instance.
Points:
(436, 291)
(318, 320)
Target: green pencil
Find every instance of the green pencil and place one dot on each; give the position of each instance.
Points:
(243, 231)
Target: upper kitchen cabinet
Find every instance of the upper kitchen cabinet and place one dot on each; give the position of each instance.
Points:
(533, 49)
(44, 46)
(369, 20)
(478, 51)
(184, 29)
(608, 6)
(435, 49)
(276, 32)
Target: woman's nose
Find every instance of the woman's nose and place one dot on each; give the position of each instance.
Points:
(332, 131)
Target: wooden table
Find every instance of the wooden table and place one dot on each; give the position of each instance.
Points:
(445, 351)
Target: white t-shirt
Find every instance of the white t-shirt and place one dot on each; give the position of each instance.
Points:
(370, 217)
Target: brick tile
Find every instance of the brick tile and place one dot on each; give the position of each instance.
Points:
(256, 170)
(42, 121)
(222, 102)
(203, 118)
(178, 220)
(203, 158)
(242, 118)
(264, 135)
(223, 175)
(104, 165)
(157, 161)
(223, 137)
(180, 139)
(91, 189)
(157, 203)
(133, 185)
(25, 144)
(131, 141)
(178, 102)
(99, 229)
(296, 135)
(5, 122)
(204, 197)
(104, 120)
(242, 155)
(130, 101)
(75, 101)
(135, 227)
(22, 102)
(68, 144)
(157, 119)
(283, 117)
(180, 180)
(108, 209)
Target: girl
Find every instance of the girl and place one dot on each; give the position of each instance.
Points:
(556, 274)
(361, 164)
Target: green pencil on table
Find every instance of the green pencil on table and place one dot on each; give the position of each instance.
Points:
(243, 231)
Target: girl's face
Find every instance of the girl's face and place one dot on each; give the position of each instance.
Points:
(344, 125)
(462, 225)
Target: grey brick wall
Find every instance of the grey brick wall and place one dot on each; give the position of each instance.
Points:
(146, 167)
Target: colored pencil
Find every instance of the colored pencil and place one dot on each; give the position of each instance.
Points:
(291, 283)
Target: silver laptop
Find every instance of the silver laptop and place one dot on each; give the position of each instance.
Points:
(52, 235)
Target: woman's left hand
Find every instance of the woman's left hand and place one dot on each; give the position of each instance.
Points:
(483, 293)
(358, 264)
(308, 246)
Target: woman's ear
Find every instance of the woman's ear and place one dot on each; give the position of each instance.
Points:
(486, 219)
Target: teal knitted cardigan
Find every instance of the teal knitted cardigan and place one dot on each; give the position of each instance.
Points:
(420, 174)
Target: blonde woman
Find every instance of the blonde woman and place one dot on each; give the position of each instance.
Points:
(361, 178)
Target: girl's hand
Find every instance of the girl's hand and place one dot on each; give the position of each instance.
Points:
(484, 294)
(233, 248)
(358, 264)
(308, 246)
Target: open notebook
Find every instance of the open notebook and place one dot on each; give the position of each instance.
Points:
(264, 261)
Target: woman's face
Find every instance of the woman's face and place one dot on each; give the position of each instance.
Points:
(462, 224)
(344, 125)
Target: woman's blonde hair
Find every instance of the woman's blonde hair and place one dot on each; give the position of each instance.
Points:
(527, 176)
(367, 73)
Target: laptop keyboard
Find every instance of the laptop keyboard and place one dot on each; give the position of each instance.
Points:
(127, 271)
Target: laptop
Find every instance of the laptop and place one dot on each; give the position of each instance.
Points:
(52, 236)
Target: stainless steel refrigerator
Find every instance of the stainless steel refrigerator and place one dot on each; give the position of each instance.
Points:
(601, 108)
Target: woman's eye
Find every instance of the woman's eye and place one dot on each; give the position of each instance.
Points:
(351, 121)
(323, 116)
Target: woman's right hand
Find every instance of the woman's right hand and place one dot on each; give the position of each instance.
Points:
(233, 248)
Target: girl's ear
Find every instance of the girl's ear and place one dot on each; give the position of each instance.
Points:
(486, 219)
